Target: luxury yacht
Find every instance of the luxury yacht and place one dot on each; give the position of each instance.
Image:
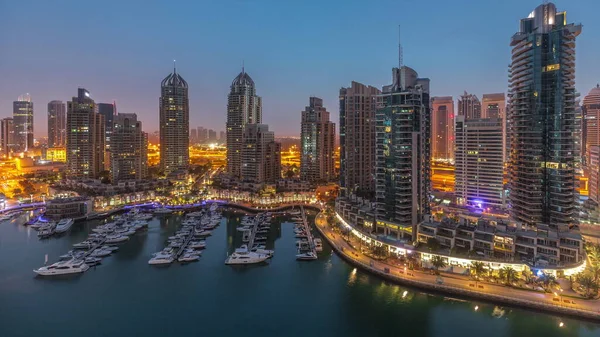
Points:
(64, 225)
(87, 244)
(189, 258)
(163, 210)
(45, 233)
(72, 266)
(197, 244)
(100, 253)
(246, 258)
(116, 238)
(162, 257)
(92, 261)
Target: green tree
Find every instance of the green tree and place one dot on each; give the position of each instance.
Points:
(594, 269)
(438, 262)
(549, 281)
(477, 269)
(586, 280)
(508, 275)
(412, 260)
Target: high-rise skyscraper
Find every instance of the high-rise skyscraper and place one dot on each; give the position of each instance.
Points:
(403, 150)
(193, 136)
(243, 107)
(202, 135)
(212, 135)
(57, 124)
(442, 128)
(469, 106)
(479, 162)
(543, 119)
(7, 136)
(590, 135)
(85, 137)
(357, 139)
(260, 155)
(317, 143)
(222, 136)
(23, 123)
(174, 121)
(108, 111)
(129, 149)
(494, 106)
(593, 168)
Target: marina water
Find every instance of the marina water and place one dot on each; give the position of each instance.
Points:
(124, 296)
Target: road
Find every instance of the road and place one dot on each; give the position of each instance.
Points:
(457, 281)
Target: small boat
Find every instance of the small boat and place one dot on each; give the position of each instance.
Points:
(92, 261)
(110, 248)
(87, 244)
(64, 225)
(318, 245)
(203, 233)
(197, 244)
(189, 258)
(268, 252)
(306, 256)
(246, 258)
(176, 244)
(73, 266)
(43, 234)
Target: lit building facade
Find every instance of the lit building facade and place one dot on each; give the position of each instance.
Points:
(494, 106)
(403, 150)
(57, 154)
(357, 139)
(261, 159)
(243, 107)
(479, 162)
(174, 119)
(543, 119)
(442, 128)
(469, 106)
(594, 172)
(57, 124)
(85, 137)
(129, 149)
(317, 143)
(7, 136)
(23, 123)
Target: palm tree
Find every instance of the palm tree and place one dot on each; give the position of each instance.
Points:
(508, 274)
(549, 281)
(438, 262)
(477, 269)
(594, 269)
(587, 282)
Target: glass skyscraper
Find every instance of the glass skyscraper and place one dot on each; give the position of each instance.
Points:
(543, 119)
(174, 108)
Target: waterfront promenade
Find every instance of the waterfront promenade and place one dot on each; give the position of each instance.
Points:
(461, 285)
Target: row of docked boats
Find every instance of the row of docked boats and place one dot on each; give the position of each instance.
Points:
(254, 235)
(307, 246)
(99, 244)
(186, 244)
(48, 229)
(9, 215)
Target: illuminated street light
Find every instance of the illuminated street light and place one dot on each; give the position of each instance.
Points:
(476, 307)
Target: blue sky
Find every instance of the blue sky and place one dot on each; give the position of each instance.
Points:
(121, 50)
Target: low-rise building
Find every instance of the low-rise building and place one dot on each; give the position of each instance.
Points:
(76, 208)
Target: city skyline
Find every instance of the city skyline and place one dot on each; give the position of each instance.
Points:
(209, 75)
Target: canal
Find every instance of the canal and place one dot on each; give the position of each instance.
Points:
(127, 297)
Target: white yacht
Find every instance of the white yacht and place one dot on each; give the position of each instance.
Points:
(87, 244)
(189, 257)
(45, 233)
(203, 233)
(100, 253)
(197, 244)
(163, 210)
(306, 256)
(116, 238)
(64, 225)
(92, 261)
(63, 267)
(162, 257)
(110, 248)
(246, 258)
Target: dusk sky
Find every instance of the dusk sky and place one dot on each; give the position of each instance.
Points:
(121, 50)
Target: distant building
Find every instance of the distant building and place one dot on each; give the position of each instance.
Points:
(403, 153)
(317, 136)
(594, 171)
(494, 106)
(469, 106)
(174, 121)
(243, 107)
(357, 139)
(23, 123)
(442, 128)
(202, 135)
(591, 122)
(261, 159)
(129, 152)
(222, 137)
(108, 111)
(543, 119)
(85, 137)
(193, 136)
(57, 124)
(7, 136)
(212, 136)
(56, 154)
(479, 162)
(75, 208)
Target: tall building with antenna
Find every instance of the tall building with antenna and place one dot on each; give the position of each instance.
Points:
(174, 109)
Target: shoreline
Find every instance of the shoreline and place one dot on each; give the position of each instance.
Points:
(460, 292)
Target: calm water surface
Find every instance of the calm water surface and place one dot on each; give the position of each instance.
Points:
(126, 297)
